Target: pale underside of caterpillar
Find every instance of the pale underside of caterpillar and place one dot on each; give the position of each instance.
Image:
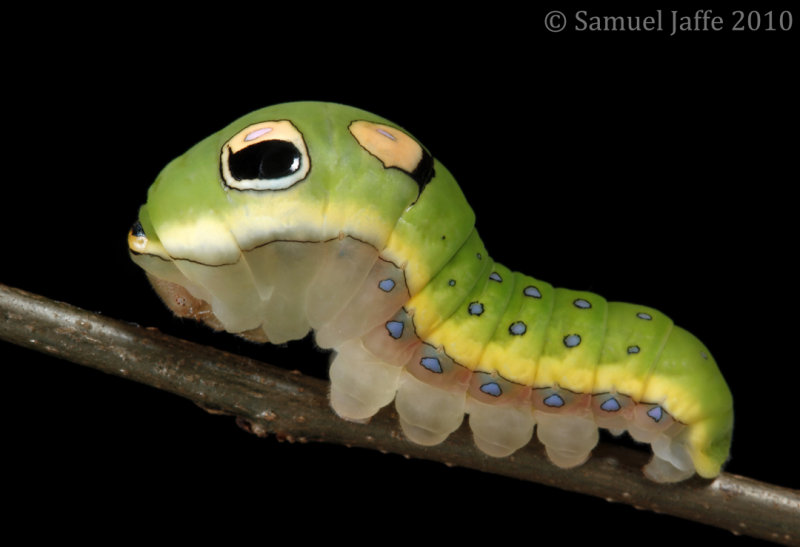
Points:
(320, 216)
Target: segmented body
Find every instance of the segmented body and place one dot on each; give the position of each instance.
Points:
(320, 216)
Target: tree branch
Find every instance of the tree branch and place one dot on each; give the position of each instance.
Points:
(273, 400)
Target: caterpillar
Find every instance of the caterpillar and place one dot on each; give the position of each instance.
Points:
(319, 216)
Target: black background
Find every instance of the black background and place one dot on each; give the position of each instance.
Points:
(646, 168)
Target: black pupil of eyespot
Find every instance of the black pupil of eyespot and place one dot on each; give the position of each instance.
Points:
(265, 160)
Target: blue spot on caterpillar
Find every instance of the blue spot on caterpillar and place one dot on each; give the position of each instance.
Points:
(611, 405)
(386, 285)
(532, 292)
(432, 364)
(492, 388)
(395, 328)
(656, 413)
(554, 400)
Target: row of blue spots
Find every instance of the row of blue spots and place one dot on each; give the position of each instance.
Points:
(610, 405)
(632, 350)
(518, 328)
(492, 388)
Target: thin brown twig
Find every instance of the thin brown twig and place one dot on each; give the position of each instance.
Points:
(269, 398)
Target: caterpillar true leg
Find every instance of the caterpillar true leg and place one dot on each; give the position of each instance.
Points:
(284, 270)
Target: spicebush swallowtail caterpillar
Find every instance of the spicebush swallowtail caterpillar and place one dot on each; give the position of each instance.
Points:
(320, 216)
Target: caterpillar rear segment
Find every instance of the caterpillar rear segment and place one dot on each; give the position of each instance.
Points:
(317, 216)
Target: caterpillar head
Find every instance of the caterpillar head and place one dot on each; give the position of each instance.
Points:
(303, 171)
(298, 171)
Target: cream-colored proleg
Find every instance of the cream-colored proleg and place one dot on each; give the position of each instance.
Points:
(671, 461)
(284, 270)
(500, 430)
(568, 438)
(428, 414)
(361, 383)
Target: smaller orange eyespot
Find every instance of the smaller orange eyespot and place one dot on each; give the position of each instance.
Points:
(392, 147)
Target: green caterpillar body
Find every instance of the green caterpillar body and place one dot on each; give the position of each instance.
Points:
(321, 216)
